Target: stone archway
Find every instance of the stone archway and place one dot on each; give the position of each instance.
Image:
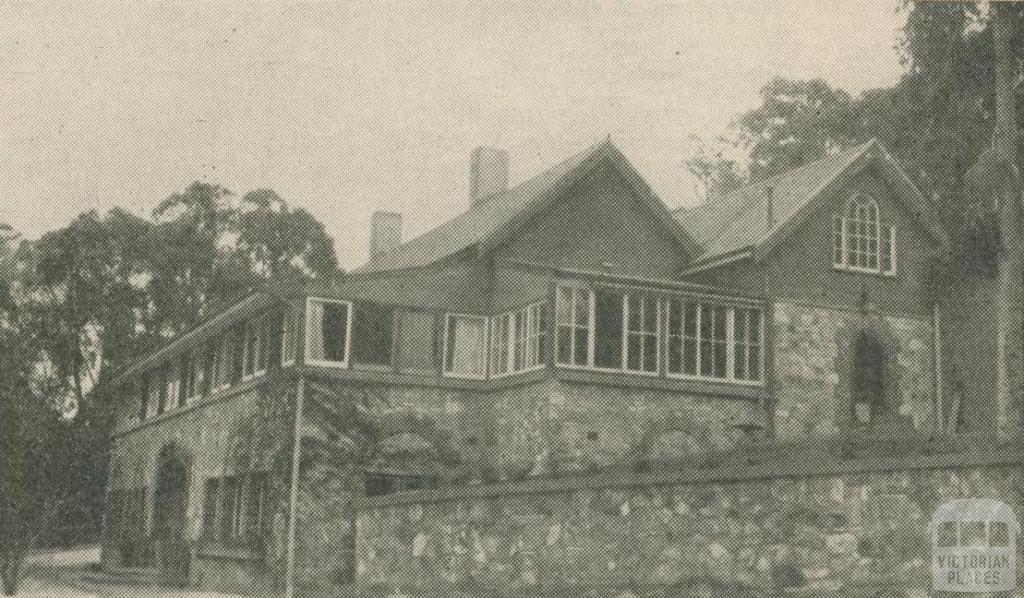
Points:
(170, 522)
(868, 369)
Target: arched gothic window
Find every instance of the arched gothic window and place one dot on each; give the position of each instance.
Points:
(862, 242)
(868, 392)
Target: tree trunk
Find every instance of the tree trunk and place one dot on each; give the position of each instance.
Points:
(1011, 263)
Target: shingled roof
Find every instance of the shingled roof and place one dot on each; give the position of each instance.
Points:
(739, 225)
(491, 219)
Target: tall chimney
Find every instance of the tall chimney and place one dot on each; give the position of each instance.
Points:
(385, 232)
(488, 173)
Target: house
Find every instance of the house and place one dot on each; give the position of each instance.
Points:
(566, 324)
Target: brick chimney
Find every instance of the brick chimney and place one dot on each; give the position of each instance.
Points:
(488, 173)
(385, 232)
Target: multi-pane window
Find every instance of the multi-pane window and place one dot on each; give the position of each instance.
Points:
(255, 347)
(574, 313)
(289, 336)
(465, 346)
(709, 340)
(235, 509)
(643, 333)
(621, 331)
(327, 332)
(518, 340)
(192, 378)
(222, 361)
(861, 241)
(747, 345)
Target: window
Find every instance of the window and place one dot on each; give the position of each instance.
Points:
(143, 390)
(861, 242)
(289, 336)
(618, 331)
(327, 332)
(574, 314)
(643, 333)
(518, 340)
(221, 356)
(192, 379)
(235, 509)
(158, 387)
(869, 380)
(465, 346)
(713, 341)
(746, 344)
(372, 333)
(255, 347)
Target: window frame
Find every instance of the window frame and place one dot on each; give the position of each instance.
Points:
(531, 317)
(574, 326)
(289, 336)
(842, 226)
(308, 360)
(730, 342)
(258, 353)
(627, 332)
(485, 320)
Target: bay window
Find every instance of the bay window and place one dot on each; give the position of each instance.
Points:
(574, 315)
(465, 346)
(518, 340)
(609, 330)
(328, 323)
(643, 333)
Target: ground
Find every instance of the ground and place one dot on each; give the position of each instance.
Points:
(61, 574)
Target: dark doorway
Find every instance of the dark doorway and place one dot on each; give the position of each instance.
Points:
(169, 520)
(868, 392)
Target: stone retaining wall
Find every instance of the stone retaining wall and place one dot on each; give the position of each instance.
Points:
(814, 525)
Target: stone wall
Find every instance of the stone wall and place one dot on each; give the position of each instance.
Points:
(813, 353)
(807, 525)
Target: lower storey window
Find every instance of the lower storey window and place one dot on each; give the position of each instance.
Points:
(235, 509)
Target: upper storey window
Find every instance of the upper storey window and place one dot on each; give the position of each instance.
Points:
(465, 346)
(327, 332)
(861, 242)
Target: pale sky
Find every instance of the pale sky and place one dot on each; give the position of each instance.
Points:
(347, 107)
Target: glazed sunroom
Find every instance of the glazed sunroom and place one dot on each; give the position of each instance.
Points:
(573, 325)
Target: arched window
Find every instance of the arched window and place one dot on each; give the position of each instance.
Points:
(868, 392)
(862, 242)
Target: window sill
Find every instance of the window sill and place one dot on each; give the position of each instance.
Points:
(230, 553)
(851, 270)
(693, 386)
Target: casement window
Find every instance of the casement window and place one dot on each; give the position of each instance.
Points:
(221, 357)
(235, 509)
(289, 336)
(192, 378)
(255, 347)
(574, 318)
(328, 323)
(143, 392)
(465, 346)
(714, 341)
(603, 329)
(861, 242)
(158, 389)
(643, 333)
(372, 334)
(518, 340)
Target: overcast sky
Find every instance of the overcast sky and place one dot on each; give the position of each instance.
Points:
(348, 107)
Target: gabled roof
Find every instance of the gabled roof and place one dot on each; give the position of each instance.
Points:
(739, 226)
(494, 218)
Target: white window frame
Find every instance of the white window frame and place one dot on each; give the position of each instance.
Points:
(486, 346)
(259, 326)
(574, 326)
(531, 316)
(289, 337)
(194, 359)
(307, 346)
(845, 224)
(626, 333)
(730, 347)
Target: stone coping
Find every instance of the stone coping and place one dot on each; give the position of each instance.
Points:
(777, 463)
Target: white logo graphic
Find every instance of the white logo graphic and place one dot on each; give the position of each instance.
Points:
(974, 546)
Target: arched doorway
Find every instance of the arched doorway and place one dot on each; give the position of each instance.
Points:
(869, 380)
(170, 500)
